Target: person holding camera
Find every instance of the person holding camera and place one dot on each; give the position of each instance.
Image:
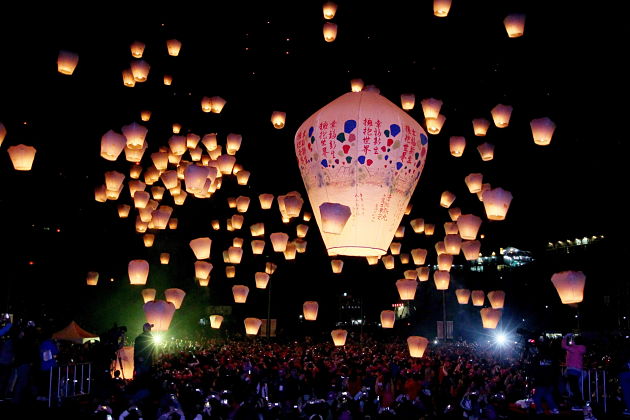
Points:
(574, 369)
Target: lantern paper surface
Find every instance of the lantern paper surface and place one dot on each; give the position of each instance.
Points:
(515, 25)
(478, 297)
(496, 299)
(457, 144)
(406, 289)
(148, 295)
(160, 314)
(215, 321)
(175, 296)
(310, 309)
(138, 271)
(261, 280)
(201, 247)
(339, 337)
(22, 157)
(417, 345)
(542, 130)
(92, 278)
(387, 319)
(490, 317)
(375, 181)
(240, 293)
(463, 296)
(252, 325)
(496, 202)
(570, 286)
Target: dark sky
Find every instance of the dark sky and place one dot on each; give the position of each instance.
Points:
(273, 57)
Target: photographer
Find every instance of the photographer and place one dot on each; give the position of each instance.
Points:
(575, 369)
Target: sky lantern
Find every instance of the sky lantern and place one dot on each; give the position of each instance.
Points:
(515, 25)
(457, 144)
(238, 242)
(300, 245)
(388, 318)
(417, 225)
(242, 177)
(242, 204)
(431, 107)
(160, 217)
(372, 260)
(123, 210)
(356, 85)
(339, 337)
(173, 46)
(278, 119)
(265, 201)
(468, 225)
(279, 241)
(434, 125)
(570, 286)
(330, 31)
(411, 274)
(406, 289)
(309, 309)
(290, 251)
(237, 221)
(134, 155)
(478, 297)
(445, 262)
(417, 345)
(440, 248)
(240, 293)
(486, 151)
(463, 296)
(135, 171)
(423, 273)
(404, 258)
(128, 79)
(160, 160)
(480, 126)
(446, 199)
(135, 134)
(22, 157)
(201, 247)
(175, 296)
(490, 317)
(233, 143)
(202, 269)
(258, 229)
(167, 80)
(337, 266)
(337, 180)
(329, 9)
(177, 145)
(450, 228)
(140, 70)
(137, 49)
(148, 239)
(484, 187)
(141, 226)
(252, 325)
(496, 202)
(441, 7)
(217, 104)
(138, 271)
(235, 254)
(474, 182)
(215, 321)
(419, 256)
(429, 229)
(542, 130)
(501, 115)
(270, 268)
(258, 247)
(306, 216)
(112, 145)
(454, 213)
(395, 248)
(206, 104)
(407, 101)
(261, 280)
(3, 133)
(160, 314)
(148, 295)
(226, 163)
(301, 230)
(388, 261)
(471, 249)
(141, 199)
(92, 278)
(66, 62)
(165, 257)
(157, 192)
(145, 115)
(216, 225)
(453, 244)
(441, 279)
(496, 299)
(113, 194)
(400, 232)
(179, 199)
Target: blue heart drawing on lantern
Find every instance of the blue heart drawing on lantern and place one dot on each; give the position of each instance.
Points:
(423, 139)
(324, 163)
(361, 159)
(349, 125)
(310, 131)
(399, 165)
(395, 129)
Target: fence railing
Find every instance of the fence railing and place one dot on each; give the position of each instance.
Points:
(69, 381)
(594, 388)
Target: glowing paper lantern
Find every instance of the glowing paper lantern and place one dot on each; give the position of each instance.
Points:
(123, 210)
(330, 31)
(486, 151)
(242, 177)
(258, 247)
(235, 254)
(240, 293)
(445, 262)
(261, 280)
(217, 104)
(141, 199)
(167, 80)
(290, 251)
(474, 182)
(138, 271)
(137, 49)
(570, 286)
(173, 46)
(140, 70)
(480, 126)
(265, 201)
(337, 266)
(423, 273)
(446, 199)
(372, 260)
(501, 115)
(363, 234)
(165, 257)
(457, 144)
(441, 7)
(148, 239)
(463, 296)
(92, 278)
(148, 295)
(388, 261)
(431, 107)
(471, 249)
(252, 325)
(201, 247)
(441, 279)
(270, 268)
(417, 225)
(160, 314)
(496, 299)
(309, 309)
(440, 248)
(515, 25)
(279, 241)
(128, 79)
(334, 217)
(496, 202)
(258, 229)
(490, 317)
(453, 244)
(230, 271)
(356, 85)
(387, 319)
(330, 9)
(202, 269)
(407, 100)
(468, 225)
(542, 130)
(417, 345)
(395, 248)
(400, 232)
(454, 213)
(22, 157)
(339, 337)
(226, 163)
(233, 143)
(411, 274)
(175, 296)
(278, 119)
(135, 134)
(429, 228)
(434, 125)
(450, 228)
(404, 258)
(215, 321)
(419, 256)
(66, 62)
(484, 188)
(112, 145)
(478, 297)
(406, 289)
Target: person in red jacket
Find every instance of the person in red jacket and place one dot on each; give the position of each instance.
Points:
(575, 368)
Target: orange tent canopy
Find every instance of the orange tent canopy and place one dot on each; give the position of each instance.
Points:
(75, 334)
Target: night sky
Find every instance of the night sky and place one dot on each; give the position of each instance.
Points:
(566, 67)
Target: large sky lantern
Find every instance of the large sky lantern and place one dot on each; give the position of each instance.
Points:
(173, 46)
(279, 241)
(235, 254)
(542, 130)
(407, 289)
(165, 258)
(252, 325)
(501, 115)
(478, 297)
(419, 256)
(160, 314)
(112, 145)
(496, 299)
(140, 70)
(453, 244)
(137, 49)
(445, 262)
(175, 296)
(138, 271)
(388, 317)
(329, 10)
(261, 280)
(441, 7)
(490, 317)
(141, 199)
(496, 202)
(339, 337)
(417, 225)
(514, 25)
(240, 293)
(278, 119)
(148, 295)
(330, 31)
(471, 249)
(202, 269)
(457, 145)
(310, 309)
(66, 62)
(411, 274)
(201, 247)
(337, 266)
(441, 279)
(22, 157)
(473, 182)
(468, 225)
(417, 345)
(486, 151)
(463, 296)
(446, 199)
(570, 286)
(423, 273)
(374, 174)
(388, 261)
(92, 278)
(480, 126)
(356, 85)
(216, 321)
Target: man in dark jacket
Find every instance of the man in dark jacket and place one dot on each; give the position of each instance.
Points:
(143, 353)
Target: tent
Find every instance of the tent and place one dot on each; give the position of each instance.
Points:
(75, 334)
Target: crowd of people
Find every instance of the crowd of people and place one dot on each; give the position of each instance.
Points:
(255, 378)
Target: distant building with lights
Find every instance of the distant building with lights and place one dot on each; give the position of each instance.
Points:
(350, 310)
(572, 245)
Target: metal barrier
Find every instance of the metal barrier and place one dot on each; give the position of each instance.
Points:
(594, 383)
(69, 381)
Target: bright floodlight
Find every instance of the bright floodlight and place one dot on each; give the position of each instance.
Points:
(501, 339)
(157, 339)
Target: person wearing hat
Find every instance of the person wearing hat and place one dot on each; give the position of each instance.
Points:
(143, 353)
